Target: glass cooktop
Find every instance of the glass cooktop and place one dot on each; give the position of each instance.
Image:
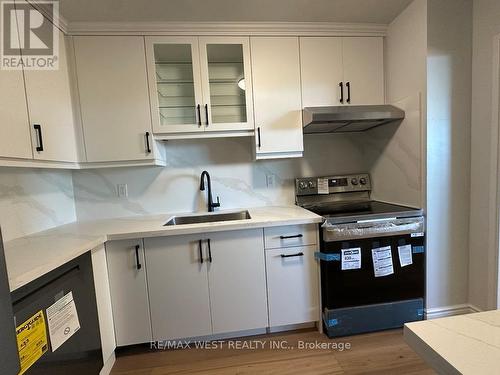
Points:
(359, 210)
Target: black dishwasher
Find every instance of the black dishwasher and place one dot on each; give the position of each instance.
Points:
(81, 353)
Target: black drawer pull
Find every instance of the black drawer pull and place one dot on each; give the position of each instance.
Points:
(292, 255)
(199, 114)
(38, 129)
(290, 237)
(201, 252)
(206, 114)
(138, 262)
(148, 147)
(348, 85)
(341, 85)
(259, 144)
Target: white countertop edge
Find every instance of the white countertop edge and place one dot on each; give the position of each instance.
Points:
(27, 277)
(427, 353)
(211, 228)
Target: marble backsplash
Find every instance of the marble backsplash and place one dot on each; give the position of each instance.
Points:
(236, 178)
(32, 200)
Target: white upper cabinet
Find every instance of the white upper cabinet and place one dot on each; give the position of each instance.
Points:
(114, 99)
(364, 69)
(175, 84)
(277, 97)
(14, 125)
(322, 71)
(50, 106)
(200, 84)
(226, 83)
(342, 71)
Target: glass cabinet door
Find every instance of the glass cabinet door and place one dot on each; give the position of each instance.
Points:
(175, 89)
(227, 83)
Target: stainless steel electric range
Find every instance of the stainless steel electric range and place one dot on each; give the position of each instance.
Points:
(372, 255)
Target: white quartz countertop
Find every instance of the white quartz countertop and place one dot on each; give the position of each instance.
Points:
(35, 255)
(464, 344)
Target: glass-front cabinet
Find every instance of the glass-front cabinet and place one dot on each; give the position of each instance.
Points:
(200, 84)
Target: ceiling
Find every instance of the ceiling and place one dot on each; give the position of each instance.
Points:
(351, 11)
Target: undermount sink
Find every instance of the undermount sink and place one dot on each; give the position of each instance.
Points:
(209, 218)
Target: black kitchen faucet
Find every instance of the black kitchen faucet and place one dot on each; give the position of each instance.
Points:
(211, 205)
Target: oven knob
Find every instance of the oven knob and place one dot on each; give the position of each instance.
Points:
(311, 185)
(354, 181)
(302, 185)
(362, 181)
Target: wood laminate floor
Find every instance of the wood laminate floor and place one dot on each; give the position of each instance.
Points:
(375, 353)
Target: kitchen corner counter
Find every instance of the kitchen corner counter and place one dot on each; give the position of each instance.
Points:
(32, 256)
(464, 344)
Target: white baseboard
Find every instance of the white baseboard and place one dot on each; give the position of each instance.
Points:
(108, 365)
(441, 312)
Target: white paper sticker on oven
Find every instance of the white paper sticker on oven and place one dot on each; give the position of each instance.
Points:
(405, 255)
(351, 259)
(63, 320)
(323, 186)
(382, 261)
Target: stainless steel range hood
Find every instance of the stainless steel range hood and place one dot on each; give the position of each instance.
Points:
(348, 118)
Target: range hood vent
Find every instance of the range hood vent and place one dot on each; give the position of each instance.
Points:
(343, 119)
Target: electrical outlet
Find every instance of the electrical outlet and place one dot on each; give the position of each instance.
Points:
(271, 180)
(122, 190)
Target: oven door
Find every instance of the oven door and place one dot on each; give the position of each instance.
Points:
(363, 286)
(362, 296)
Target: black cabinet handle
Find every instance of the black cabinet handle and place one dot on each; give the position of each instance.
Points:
(201, 251)
(259, 144)
(138, 262)
(38, 129)
(341, 84)
(206, 113)
(209, 251)
(289, 237)
(148, 147)
(198, 108)
(348, 85)
(292, 255)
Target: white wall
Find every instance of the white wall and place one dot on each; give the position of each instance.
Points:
(32, 200)
(483, 251)
(236, 178)
(449, 60)
(428, 69)
(398, 169)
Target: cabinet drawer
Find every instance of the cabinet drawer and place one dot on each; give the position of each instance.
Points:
(290, 235)
(292, 285)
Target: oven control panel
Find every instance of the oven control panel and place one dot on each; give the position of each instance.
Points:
(332, 184)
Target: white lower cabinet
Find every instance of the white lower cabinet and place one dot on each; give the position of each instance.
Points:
(129, 292)
(206, 284)
(237, 281)
(292, 285)
(196, 285)
(178, 287)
